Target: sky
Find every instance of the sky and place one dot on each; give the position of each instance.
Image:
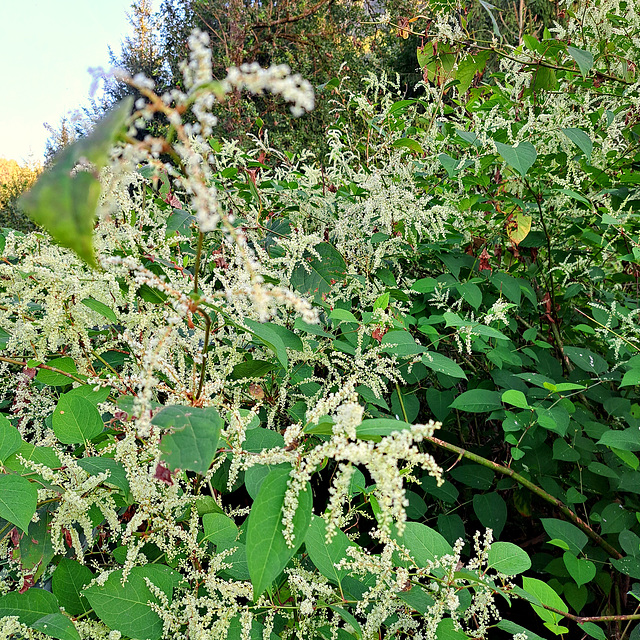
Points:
(46, 47)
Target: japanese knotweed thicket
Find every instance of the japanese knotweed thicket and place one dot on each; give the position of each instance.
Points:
(218, 408)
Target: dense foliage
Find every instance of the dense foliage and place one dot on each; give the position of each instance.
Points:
(15, 179)
(218, 396)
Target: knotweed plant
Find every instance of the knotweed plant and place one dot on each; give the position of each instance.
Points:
(226, 371)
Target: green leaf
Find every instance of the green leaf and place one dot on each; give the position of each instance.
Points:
(87, 392)
(125, 607)
(477, 401)
(55, 379)
(382, 301)
(317, 274)
(583, 58)
(423, 543)
(546, 595)
(491, 510)
(442, 364)
(57, 626)
(267, 550)
(566, 532)
(10, 439)
(515, 398)
(446, 630)
(580, 139)
(75, 420)
(373, 428)
(101, 308)
(193, 441)
(219, 528)
(408, 143)
(69, 579)
(96, 465)
(631, 378)
(520, 157)
(18, 500)
(471, 293)
(580, 569)
(326, 555)
(342, 315)
(400, 343)
(265, 334)
(63, 201)
(624, 439)
(468, 67)
(252, 369)
(508, 558)
(29, 606)
(586, 360)
(593, 630)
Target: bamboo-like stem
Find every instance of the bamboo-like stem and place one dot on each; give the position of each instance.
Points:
(541, 493)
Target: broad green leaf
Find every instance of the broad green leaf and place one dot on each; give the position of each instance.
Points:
(265, 334)
(69, 579)
(36, 548)
(318, 275)
(452, 165)
(219, 528)
(473, 475)
(446, 630)
(631, 378)
(546, 595)
(514, 629)
(491, 510)
(125, 607)
(313, 329)
(586, 360)
(580, 139)
(515, 398)
(87, 392)
(580, 569)
(42, 455)
(18, 500)
(56, 625)
(64, 201)
(520, 157)
(96, 465)
(348, 618)
(75, 420)
(267, 550)
(408, 143)
(101, 308)
(423, 543)
(508, 558)
(468, 67)
(193, 440)
(326, 555)
(400, 343)
(565, 531)
(624, 439)
(29, 606)
(593, 630)
(342, 315)
(508, 286)
(10, 439)
(252, 369)
(471, 293)
(55, 379)
(442, 364)
(584, 59)
(374, 428)
(477, 401)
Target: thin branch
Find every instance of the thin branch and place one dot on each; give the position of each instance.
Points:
(289, 19)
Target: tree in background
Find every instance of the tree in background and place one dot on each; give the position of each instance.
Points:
(321, 40)
(14, 180)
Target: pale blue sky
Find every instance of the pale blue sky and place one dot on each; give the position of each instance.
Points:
(46, 47)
